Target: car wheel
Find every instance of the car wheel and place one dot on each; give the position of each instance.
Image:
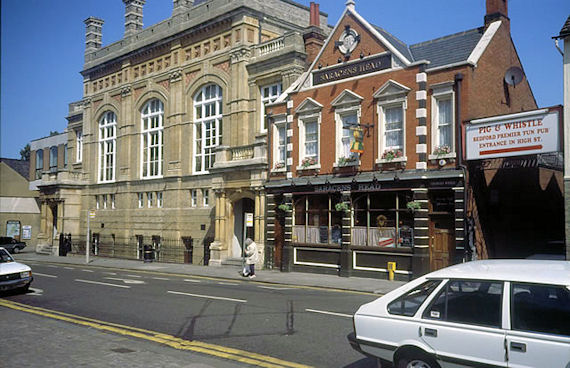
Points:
(16, 250)
(24, 289)
(417, 360)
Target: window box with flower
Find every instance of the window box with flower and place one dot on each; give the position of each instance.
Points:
(279, 166)
(392, 159)
(347, 161)
(443, 151)
(308, 162)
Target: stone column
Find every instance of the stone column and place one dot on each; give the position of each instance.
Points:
(218, 245)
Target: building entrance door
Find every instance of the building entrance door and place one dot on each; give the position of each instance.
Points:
(442, 242)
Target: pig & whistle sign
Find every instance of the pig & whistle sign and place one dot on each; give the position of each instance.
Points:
(526, 133)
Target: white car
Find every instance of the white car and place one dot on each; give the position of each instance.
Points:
(13, 275)
(492, 313)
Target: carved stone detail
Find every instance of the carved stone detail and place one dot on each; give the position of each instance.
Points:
(126, 91)
(240, 55)
(175, 76)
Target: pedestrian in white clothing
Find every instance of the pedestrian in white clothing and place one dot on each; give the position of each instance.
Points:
(251, 256)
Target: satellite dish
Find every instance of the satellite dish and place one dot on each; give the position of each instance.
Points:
(514, 76)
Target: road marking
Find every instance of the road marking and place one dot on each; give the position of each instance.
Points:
(69, 268)
(160, 278)
(227, 283)
(274, 287)
(36, 292)
(102, 283)
(110, 273)
(43, 274)
(51, 266)
(208, 296)
(329, 313)
(137, 276)
(84, 270)
(237, 355)
(194, 281)
(126, 281)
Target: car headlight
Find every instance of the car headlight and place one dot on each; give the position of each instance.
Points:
(25, 274)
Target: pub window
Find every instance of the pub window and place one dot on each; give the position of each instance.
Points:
(316, 220)
(279, 144)
(382, 219)
(309, 142)
(443, 121)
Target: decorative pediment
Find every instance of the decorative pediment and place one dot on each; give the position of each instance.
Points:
(392, 89)
(308, 106)
(345, 98)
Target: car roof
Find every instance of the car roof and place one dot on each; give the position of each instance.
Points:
(522, 270)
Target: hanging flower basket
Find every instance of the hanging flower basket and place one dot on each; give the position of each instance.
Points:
(413, 206)
(342, 206)
(285, 207)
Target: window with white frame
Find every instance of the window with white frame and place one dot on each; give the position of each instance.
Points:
(159, 200)
(279, 144)
(39, 163)
(104, 200)
(348, 122)
(78, 145)
(113, 201)
(443, 121)
(152, 140)
(269, 94)
(141, 200)
(392, 131)
(53, 158)
(107, 146)
(206, 197)
(149, 199)
(207, 126)
(97, 202)
(309, 132)
(194, 197)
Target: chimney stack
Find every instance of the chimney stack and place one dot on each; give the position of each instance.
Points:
(93, 34)
(314, 15)
(496, 9)
(181, 6)
(133, 16)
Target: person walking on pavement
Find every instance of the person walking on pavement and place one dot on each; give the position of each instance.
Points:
(251, 257)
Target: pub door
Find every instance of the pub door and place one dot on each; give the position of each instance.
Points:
(442, 241)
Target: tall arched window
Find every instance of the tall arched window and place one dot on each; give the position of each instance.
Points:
(107, 146)
(152, 143)
(207, 126)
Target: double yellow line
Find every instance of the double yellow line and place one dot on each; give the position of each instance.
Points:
(241, 356)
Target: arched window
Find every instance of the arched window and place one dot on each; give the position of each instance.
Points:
(207, 126)
(152, 143)
(107, 146)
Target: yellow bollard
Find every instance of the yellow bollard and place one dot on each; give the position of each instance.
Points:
(391, 269)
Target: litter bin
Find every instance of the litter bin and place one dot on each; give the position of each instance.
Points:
(62, 246)
(148, 254)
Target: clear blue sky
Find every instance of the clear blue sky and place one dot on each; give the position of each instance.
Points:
(43, 43)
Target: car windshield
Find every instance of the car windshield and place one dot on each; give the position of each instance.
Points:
(5, 257)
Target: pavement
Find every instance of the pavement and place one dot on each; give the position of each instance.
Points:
(360, 284)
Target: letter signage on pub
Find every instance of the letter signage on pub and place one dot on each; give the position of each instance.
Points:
(365, 66)
(526, 133)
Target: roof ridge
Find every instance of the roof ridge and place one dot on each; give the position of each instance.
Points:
(446, 37)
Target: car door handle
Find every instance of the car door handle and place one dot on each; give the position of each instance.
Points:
(518, 346)
(430, 332)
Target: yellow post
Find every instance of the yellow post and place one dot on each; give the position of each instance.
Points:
(391, 269)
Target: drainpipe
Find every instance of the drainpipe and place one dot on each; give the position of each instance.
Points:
(460, 165)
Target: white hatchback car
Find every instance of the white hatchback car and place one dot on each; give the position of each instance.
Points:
(492, 313)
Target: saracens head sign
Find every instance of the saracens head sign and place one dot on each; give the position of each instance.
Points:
(525, 133)
(365, 66)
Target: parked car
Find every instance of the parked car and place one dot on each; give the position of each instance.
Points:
(492, 313)
(13, 275)
(11, 245)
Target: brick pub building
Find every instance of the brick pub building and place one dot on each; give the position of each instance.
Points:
(365, 153)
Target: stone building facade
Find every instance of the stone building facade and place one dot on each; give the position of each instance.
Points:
(367, 170)
(167, 147)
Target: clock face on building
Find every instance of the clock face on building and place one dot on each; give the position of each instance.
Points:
(348, 41)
